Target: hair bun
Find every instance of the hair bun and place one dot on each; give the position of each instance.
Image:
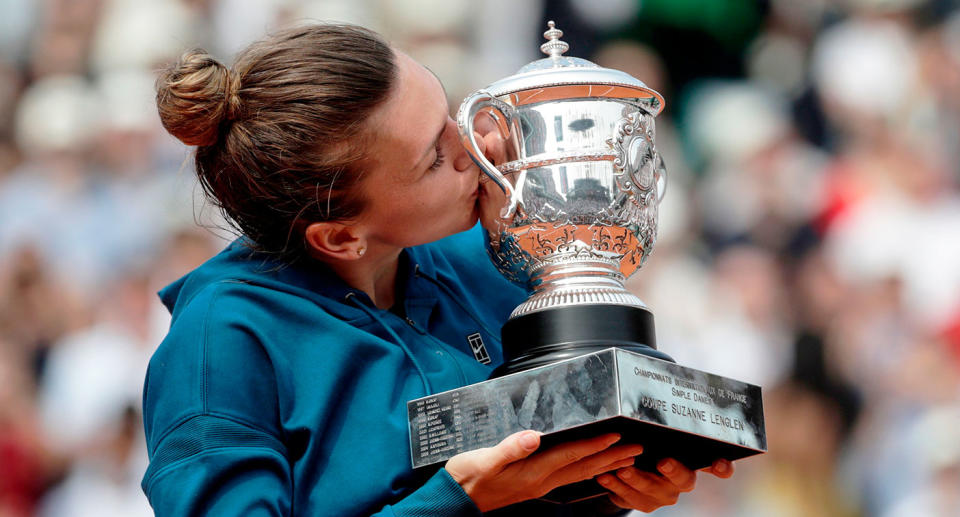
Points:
(194, 96)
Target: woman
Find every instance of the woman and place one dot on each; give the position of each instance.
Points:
(281, 386)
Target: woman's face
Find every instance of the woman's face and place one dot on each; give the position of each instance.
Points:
(419, 183)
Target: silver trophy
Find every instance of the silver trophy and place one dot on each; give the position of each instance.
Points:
(581, 184)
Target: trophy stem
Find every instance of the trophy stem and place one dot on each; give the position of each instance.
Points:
(579, 306)
(577, 282)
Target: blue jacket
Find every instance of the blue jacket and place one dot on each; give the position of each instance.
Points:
(283, 391)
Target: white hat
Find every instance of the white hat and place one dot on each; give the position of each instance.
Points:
(868, 66)
(141, 34)
(56, 113)
(730, 120)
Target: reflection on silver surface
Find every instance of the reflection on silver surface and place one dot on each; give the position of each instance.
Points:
(582, 178)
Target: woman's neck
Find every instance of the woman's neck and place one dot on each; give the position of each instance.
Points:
(374, 274)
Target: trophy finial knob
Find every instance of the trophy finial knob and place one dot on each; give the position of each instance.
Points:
(554, 47)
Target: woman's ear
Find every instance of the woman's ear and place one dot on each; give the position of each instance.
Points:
(333, 240)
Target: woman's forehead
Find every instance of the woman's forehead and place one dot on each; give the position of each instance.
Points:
(414, 112)
(414, 79)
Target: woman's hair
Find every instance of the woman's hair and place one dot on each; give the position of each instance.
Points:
(279, 135)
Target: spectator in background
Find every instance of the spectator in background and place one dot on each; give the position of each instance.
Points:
(25, 468)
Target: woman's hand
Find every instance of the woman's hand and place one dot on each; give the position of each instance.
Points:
(506, 473)
(638, 490)
(491, 143)
(492, 199)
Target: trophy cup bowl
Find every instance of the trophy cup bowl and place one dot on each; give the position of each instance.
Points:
(581, 183)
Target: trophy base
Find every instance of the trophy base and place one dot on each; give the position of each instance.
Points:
(540, 338)
(673, 411)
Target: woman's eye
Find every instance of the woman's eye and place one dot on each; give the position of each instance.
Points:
(439, 161)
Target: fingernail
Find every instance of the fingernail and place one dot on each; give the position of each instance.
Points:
(666, 466)
(721, 466)
(529, 440)
(625, 474)
(603, 480)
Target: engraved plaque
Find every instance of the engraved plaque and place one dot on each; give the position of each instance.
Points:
(673, 411)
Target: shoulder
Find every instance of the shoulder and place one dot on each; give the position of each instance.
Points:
(212, 362)
(233, 350)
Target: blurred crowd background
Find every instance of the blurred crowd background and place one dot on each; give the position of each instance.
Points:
(810, 235)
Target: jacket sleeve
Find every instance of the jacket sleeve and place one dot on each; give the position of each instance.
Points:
(440, 496)
(212, 419)
(214, 466)
(211, 465)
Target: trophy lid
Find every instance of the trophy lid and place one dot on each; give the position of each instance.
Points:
(557, 76)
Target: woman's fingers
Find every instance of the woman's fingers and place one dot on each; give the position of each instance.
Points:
(568, 453)
(680, 476)
(646, 491)
(507, 473)
(595, 464)
(629, 462)
(465, 467)
(636, 495)
(513, 448)
(495, 147)
(484, 123)
(721, 468)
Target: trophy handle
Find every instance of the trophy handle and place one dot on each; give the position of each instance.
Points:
(465, 115)
(660, 179)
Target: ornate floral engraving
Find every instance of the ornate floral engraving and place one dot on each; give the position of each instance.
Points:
(636, 160)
